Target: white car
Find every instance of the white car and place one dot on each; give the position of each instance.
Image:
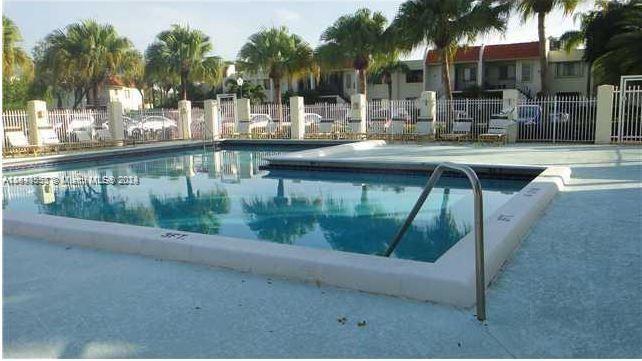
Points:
(154, 125)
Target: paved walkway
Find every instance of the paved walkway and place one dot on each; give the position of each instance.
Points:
(573, 288)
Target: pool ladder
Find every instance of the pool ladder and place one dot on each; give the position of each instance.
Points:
(479, 226)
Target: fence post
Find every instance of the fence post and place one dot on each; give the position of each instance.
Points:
(115, 116)
(212, 121)
(427, 113)
(243, 116)
(358, 113)
(185, 119)
(604, 116)
(37, 118)
(297, 117)
(509, 102)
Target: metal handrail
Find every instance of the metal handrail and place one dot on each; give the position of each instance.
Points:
(479, 226)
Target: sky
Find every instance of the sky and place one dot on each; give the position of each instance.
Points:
(229, 23)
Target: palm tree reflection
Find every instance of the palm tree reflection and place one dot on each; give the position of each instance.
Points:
(369, 228)
(281, 219)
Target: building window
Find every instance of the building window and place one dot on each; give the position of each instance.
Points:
(348, 81)
(506, 72)
(415, 76)
(569, 69)
(527, 72)
(470, 74)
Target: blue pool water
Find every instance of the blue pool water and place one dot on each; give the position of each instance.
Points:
(224, 192)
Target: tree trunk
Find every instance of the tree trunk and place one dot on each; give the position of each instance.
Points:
(589, 88)
(445, 73)
(184, 75)
(389, 83)
(278, 98)
(362, 81)
(543, 63)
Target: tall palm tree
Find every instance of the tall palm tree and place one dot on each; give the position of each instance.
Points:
(541, 8)
(353, 41)
(597, 27)
(445, 24)
(84, 55)
(183, 52)
(14, 58)
(278, 53)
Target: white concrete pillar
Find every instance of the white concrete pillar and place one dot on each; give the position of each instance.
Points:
(212, 119)
(604, 117)
(37, 118)
(427, 113)
(116, 127)
(297, 117)
(510, 98)
(185, 119)
(358, 113)
(242, 116)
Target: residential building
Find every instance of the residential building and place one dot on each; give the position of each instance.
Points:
(509, 66)
(114, 89)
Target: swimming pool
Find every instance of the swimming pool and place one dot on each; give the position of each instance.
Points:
(225, 192)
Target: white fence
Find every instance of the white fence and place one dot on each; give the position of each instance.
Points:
(82, 125)
(476, 111)
(557, 119)
(392, 117)
(148, 125)
(14, 121)
(326, 118)
(627, 115)
(270, 120)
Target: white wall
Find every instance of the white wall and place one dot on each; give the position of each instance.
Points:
(131, 98)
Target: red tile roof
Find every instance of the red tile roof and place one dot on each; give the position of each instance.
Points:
(511, 51)
(491, 52)
(463, 55)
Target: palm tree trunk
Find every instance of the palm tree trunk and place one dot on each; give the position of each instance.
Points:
(184, 75)
(589, 88)
(543, 63)
(445, 73)
(389, 83)
(278, 98)
(362, 81)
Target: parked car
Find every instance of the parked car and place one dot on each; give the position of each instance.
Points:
(153, 126)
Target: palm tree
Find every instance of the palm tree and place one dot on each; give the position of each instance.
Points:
(353, 41)
(83, 55)
(183, 53)
(541, 8)
(278, 53)
(386, 66)
(611, 36)
(445, 24)
(13, 56)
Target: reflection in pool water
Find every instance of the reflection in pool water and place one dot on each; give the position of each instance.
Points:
(224, 192)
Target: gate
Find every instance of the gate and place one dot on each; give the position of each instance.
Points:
(227, 113)
(627, 117)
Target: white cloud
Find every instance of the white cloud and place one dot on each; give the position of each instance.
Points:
(285, 16)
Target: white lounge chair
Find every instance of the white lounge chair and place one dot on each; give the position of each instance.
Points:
(17, 139)
(48, 136)
(497, 131)
(461, 131)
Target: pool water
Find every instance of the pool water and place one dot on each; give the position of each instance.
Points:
(224, 192)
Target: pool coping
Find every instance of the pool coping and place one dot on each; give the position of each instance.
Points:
(12, 164)
(448, 280)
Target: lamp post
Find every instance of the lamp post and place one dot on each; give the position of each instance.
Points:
(239, 82)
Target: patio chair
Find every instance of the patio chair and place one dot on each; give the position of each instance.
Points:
(461, 131)
(497, 131)
(18, 143)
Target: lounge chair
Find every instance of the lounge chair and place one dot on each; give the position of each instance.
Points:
(461, 131)
(49, 136)
(497, 131)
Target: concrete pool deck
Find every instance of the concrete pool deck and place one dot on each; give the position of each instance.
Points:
(572, 288)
